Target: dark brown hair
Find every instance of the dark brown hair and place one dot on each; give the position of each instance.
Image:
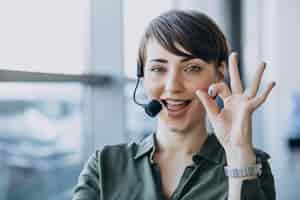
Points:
(194, 31)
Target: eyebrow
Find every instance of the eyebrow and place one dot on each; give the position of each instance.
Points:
(161, 60)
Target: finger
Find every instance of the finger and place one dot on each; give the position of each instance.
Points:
(221, 89)
(257, 101)
(210, 106)
(252, 90)
(235, 80)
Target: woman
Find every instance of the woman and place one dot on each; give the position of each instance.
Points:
(183, 56)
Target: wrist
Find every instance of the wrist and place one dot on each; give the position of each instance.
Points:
(240, 157)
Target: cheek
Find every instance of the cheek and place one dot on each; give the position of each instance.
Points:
(200, 85)
(153, 90)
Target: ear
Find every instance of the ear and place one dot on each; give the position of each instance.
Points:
(221, 72)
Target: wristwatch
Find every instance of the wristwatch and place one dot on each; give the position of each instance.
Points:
(253, 170)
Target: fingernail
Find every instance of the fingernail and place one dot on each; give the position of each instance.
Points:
(236, 55)
(210, 92)
(232, 51)
(265, 64)
(273, 84)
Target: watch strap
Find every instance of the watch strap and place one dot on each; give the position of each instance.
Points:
(253, 170)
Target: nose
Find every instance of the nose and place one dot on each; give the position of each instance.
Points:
(173, 82)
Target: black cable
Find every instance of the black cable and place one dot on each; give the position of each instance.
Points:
(134, 93)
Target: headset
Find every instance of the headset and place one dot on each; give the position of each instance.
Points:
(154, 106)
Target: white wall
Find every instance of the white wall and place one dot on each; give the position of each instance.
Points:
(271, 34)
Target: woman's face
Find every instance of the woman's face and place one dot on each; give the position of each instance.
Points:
(173, 80)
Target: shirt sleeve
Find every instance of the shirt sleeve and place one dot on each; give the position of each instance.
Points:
(87, 187)
(261, 188)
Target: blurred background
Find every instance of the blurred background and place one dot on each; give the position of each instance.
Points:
(67, 73)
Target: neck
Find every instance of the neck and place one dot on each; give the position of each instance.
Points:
(184, 142)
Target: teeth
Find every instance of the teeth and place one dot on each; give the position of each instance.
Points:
(177, 102)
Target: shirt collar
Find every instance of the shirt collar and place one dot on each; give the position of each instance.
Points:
(211, 149)
(145, 146)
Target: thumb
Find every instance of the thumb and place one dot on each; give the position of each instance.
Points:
(210, 106)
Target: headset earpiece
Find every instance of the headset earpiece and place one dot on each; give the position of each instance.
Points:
(140, 71)
(153, 107)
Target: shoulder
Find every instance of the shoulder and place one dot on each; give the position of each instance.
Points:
(126, 151)
(107, 169)
(118, 151)
(122, 154)
(115, 162)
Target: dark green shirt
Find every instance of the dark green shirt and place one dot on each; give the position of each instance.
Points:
(127, 172)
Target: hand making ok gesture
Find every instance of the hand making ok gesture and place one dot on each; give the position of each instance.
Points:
(232, 124)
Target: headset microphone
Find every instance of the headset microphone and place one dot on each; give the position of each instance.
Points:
(153, 107)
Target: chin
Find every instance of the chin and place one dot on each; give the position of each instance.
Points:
(179, 126)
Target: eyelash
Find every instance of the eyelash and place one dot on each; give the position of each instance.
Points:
(157, 69)
(191, 68)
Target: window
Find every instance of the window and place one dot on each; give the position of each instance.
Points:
(44, 36)
(40, 140)
(43, 55)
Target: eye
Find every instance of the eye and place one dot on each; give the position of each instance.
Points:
(157, 69)
(193, 68)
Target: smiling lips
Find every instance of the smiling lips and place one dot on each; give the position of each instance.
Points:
(176, 108)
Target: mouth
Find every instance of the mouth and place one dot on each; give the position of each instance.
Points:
(176, 107)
